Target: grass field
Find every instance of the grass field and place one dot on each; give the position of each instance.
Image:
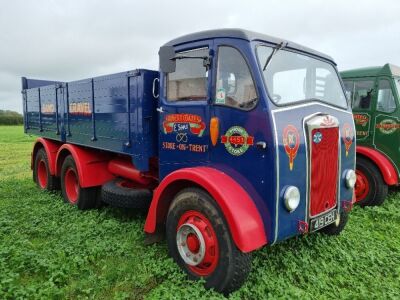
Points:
(49, 249)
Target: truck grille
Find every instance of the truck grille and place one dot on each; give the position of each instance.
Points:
(324, 151)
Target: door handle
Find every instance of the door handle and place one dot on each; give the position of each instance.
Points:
(261, 145)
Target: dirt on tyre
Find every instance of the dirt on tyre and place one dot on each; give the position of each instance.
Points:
(73, 193)
(200, 242)
(370, 188)
(41, 172)
(126, 194)
(337, 227)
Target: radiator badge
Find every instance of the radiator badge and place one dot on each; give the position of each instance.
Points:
(317, 137)
(237, 140)
(291, 142)
(347, 136)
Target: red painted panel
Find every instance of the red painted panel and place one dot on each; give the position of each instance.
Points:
(92, 165)
(242, 216)
(51, 147)
(324, 170)
(385, 166)
(125, 168)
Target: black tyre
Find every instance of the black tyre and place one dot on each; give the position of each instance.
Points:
(125, 194)
(73, 193)
(337, 227)
(200, 242)
(370, 188)
(41, 173)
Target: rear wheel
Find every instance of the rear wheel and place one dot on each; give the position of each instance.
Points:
(370, 188)
(73, 193)
(41, 173)
(200, 242)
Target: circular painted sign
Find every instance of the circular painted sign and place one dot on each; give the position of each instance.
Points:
(237, 140)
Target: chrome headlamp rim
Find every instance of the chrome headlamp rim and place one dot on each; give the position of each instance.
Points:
(291, 197)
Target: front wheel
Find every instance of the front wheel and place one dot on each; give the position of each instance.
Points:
(200, 242)
(337, 227)
(370, 188)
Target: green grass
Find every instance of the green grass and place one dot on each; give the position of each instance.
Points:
(49, 249)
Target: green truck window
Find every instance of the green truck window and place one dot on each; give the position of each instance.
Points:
(386, 102)
(235, 86)
(189, 81)
(349, 87)
(398, 86)
(362, 96)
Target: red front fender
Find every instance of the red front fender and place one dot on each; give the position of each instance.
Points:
(244, 221)
(385, 166)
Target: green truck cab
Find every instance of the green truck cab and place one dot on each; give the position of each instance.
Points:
(375, 98)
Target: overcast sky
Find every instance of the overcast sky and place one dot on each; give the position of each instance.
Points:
(69, 40)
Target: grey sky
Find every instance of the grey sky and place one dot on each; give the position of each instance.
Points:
(68, 40)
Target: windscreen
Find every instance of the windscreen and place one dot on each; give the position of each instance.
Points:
(292, 77)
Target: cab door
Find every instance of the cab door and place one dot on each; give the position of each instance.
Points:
(184, 112)
(362, 93)
(239, 115)
(386, 137)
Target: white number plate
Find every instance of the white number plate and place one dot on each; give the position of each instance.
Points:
(324, 220)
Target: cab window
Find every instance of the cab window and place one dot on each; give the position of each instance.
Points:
(362, 95)
(386, 102)
(189, 81)
(235, 86)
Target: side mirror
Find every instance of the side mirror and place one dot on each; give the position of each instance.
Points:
(167, 61)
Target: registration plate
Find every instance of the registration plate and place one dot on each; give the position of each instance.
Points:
(324, 220)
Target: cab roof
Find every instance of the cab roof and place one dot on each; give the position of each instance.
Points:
(386, 70)
(244, 35)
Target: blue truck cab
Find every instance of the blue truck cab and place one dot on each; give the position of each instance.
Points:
(238, 141)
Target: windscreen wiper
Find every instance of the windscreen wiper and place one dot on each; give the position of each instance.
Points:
(276, 49)
(206, 59)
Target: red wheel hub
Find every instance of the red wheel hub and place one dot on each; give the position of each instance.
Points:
(42, 174)
(71, 185)
(361, 187)
(197, 243)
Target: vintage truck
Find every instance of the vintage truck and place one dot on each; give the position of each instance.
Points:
(239, 141)
(375, 98)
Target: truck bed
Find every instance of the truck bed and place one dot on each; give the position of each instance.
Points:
(114, 113)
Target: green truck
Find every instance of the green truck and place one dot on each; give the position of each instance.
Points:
(375, 96)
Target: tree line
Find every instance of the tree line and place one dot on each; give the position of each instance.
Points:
(9, 117)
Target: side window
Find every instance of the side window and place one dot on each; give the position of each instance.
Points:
(349, 87)
(235, 86)
(386, 102)
(362, 97)
(189, 81)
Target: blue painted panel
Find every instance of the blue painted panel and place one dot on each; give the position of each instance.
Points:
(115, 113)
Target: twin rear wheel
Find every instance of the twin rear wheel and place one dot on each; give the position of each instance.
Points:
(199, 241)
(41, 173)
(73, 193)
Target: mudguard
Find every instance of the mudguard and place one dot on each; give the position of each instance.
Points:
(92, 165)
(51, 148)
(385, 166)
(244, 221)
